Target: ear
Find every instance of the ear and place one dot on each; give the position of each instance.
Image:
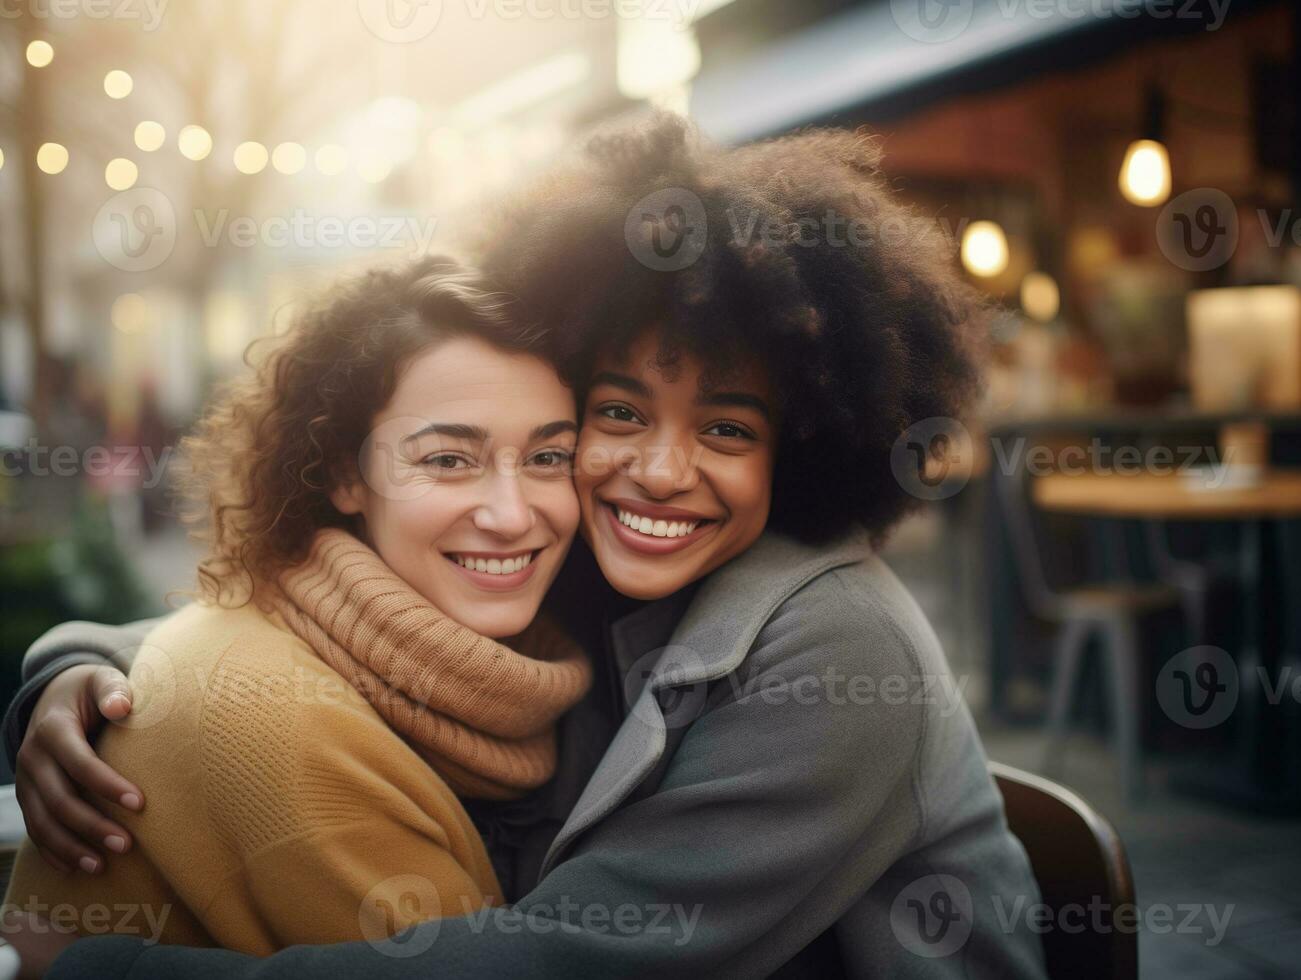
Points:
(349, 496)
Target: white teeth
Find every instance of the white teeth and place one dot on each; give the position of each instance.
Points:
(494, 566)
(658, 529)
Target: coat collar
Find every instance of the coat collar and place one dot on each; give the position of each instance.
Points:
(685, 641)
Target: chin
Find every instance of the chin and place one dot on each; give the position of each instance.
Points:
(496, 625)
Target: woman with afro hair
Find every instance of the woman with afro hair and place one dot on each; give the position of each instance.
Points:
(790, 782)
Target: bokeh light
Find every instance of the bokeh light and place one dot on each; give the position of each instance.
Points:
(118, 84)
(40, 53)
(150, 136)
(52, 158)
(120, 174)
(194, 142)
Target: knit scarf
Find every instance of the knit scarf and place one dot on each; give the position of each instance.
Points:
(480, 713)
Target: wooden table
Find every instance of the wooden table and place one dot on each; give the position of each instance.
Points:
(1266, 769)
(1170, 496)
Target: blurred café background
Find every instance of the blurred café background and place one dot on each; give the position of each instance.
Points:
(1109, 547)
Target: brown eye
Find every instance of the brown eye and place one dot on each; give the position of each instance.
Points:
(729, 430)
(620, 413)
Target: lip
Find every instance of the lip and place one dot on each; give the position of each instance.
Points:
(498, 583)
(647, 545)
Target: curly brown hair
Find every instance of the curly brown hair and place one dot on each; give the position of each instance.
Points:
(863, 333)
(261, 462)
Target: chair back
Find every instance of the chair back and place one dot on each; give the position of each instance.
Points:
(1080, 864)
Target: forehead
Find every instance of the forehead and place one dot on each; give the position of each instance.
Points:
(685, 373)
(468, 380)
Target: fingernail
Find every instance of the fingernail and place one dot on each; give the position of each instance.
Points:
(89, 865)
(120, 697)
(115, 843)
(131, 801)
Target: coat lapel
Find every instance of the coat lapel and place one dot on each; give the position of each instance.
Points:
(718, 629)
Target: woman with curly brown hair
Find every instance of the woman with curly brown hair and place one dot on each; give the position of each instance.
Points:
(794, 787)
(386, 500)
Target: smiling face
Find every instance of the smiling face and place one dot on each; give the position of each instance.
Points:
(465, 488)
(673, 480)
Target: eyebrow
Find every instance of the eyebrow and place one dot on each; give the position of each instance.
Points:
(735, 399)
(624, 381)
(476, 433)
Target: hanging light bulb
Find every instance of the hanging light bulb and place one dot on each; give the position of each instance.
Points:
(1145, 172)
(984, 249)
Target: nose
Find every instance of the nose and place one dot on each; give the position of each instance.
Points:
(505, 511)
(665, 467)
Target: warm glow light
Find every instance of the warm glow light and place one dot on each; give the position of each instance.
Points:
(984, 249)
(447, 145)
(194, 142)
(120, 174)
(1145, 173)
(655, 55)
(331, 159)
(130, 313)
(1040, 297)
(289, 158)
(2, 159)
(250, 157)
(150, 136)
(52, 157)
(40, 53)
(373, 166)
(118, 84)
(525, 88)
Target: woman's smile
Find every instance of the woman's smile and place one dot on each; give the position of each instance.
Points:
(655, 530)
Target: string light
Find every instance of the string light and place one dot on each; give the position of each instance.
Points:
(120, 174)
(289, 158)
(194, 142)
(331, 159)
(52, 157)
(150, 136)
(250, 157)
(118, 84)
(40, 53)
(373, 167)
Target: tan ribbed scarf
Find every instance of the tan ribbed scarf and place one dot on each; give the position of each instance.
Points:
(481, 714)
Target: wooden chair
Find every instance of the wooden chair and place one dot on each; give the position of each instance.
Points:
(1078, 860)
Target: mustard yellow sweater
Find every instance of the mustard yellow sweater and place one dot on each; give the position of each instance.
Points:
(280, 808)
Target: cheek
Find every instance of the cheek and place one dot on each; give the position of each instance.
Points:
(411, 524)
(746, 490)
(560, 505)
